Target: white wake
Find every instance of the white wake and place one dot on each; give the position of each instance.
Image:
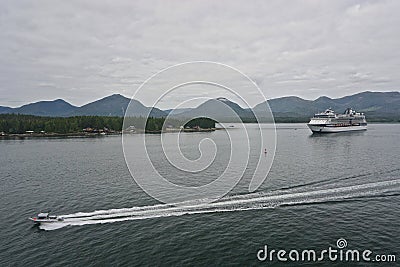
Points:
(233, 203)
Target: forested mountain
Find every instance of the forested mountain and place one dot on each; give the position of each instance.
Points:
(376, 105)
(113, 105)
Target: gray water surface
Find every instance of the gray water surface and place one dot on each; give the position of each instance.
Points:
(75, 175)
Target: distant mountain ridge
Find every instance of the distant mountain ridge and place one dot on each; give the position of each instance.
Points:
(113, 105)
(374, 104)
(219, 108)
(56, 108)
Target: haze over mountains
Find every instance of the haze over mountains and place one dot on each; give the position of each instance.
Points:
(374, 104)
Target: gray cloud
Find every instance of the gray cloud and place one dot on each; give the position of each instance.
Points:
(83, 50)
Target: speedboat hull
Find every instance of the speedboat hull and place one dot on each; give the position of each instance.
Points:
(38, 221)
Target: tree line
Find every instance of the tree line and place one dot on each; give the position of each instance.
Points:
(19, 124)
(204, 123)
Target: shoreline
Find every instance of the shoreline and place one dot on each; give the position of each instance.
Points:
(116, 133)
(53, 135)
(85, 135)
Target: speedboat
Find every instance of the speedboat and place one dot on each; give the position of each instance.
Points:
(46, 218)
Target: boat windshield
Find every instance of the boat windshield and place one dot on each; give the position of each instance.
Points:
(43, 215)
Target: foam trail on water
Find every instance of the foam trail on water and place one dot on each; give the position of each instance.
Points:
(250, 201)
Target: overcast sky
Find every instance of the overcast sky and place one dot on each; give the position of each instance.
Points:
(84, 50)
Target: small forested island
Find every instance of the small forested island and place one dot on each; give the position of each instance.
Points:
(18, 125)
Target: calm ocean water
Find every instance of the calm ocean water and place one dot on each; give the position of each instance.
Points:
(75, 175)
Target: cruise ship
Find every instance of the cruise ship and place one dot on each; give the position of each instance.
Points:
(331, 122)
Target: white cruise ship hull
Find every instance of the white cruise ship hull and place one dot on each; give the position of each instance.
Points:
(335, 129)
